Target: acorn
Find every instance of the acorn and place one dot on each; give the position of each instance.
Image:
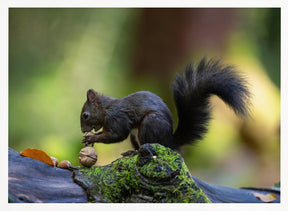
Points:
(55, 161)
(64, 164)
(87, 156)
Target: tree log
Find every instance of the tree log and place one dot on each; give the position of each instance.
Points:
(154, 174)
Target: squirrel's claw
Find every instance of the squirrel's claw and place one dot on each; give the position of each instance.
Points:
(89, 139)
(84, 141)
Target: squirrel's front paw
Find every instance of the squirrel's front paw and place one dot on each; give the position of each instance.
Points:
(88, 141)
(89, 138)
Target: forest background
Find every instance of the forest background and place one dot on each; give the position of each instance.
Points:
(57, 54)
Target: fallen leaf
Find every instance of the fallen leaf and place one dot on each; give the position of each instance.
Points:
(265, 197)
(37, 155)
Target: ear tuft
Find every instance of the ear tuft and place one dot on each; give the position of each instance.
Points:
(91, 95)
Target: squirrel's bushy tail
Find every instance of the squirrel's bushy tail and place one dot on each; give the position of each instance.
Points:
(192, 91)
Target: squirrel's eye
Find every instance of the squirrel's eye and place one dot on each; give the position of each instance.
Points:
(85, 115)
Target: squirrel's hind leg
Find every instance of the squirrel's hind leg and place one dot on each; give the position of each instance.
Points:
(155, 128)
(134, 139)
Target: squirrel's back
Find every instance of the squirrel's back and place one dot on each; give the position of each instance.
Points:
(142, 103)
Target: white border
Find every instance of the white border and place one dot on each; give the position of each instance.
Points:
(148, 3)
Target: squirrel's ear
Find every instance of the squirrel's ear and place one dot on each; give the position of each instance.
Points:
(91, 95)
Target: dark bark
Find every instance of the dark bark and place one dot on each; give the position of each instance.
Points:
(34, 181)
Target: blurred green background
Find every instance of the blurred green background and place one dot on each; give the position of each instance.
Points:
(56, 55)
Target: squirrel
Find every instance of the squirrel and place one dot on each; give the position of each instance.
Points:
(152, 119)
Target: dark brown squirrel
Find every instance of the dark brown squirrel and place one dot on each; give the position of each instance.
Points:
(147, 113)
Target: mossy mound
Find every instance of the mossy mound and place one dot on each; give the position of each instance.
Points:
(154, 174)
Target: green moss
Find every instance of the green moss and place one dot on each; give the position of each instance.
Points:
(155, 174)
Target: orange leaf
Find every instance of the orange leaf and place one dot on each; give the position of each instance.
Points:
(265, 197)
(37, 155)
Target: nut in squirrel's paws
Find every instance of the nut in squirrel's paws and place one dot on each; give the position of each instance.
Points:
(88, 134)
(87, 156)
